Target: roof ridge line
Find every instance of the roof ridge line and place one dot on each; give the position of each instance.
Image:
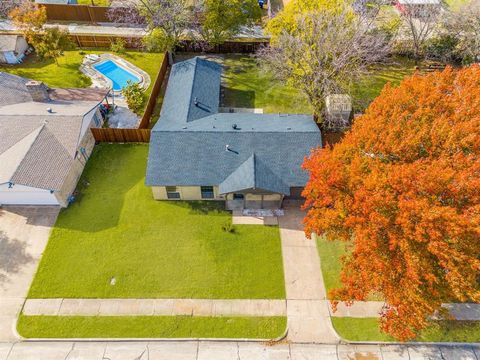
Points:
(191, 90)
(42, 127)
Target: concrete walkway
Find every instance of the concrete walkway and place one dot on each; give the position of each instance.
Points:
(362, 309)
(307, 309)
(24, 233)
(212, 350)
(150, 307)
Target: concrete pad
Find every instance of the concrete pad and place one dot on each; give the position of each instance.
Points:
(40, 350)
(42, 306)
(163, 306)
(307, 308)
(313, 352)
(11, 306)
(254, 220)
(173, 350)
(311, 330)
(424, 352)
(217, 351)
(126, 351)
(80, 307)
(87, 350)
(464, 311)
(222, 308)
(5, 350)
(457, 353)
(182, 307)
(27, 229)
(394, 352)
(364, 352)
(7, 328)
(255, 351)
(203, 308)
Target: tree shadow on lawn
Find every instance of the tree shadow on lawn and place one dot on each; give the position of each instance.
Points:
(101, 191)
(238, 98)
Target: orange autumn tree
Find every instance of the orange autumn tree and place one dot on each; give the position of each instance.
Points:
(402, 189)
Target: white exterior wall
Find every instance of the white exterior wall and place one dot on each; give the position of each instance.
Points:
(25, 195)
(70, 183)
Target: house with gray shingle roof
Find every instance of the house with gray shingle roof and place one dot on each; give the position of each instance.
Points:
(247, 159)
(45, 140)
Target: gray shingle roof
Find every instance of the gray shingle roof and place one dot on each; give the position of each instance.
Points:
(253, 174)
(39, 149)
(188, 146)
(13, 89)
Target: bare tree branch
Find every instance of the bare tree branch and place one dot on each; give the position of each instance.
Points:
(325, 55)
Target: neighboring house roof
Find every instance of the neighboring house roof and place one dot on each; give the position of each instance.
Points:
(188, 145)
(8, 42)
(39, 150)
(38, 147)
(13, 89)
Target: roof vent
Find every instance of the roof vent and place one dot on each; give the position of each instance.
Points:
(49, 110)
(235, 127)
(184, 128)
(289, 128)
(227, 147)
(195, 101)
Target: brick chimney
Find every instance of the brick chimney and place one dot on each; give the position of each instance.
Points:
(38, 90)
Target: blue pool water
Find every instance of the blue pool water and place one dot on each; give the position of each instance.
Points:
(117, 74)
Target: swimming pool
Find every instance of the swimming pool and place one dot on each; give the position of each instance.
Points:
(117, 74)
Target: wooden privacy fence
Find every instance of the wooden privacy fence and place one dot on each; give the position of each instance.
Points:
(152, 100)
(80, 13)
(121, 135)
(104, 41)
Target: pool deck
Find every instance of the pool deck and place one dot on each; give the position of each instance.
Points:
(101, 81)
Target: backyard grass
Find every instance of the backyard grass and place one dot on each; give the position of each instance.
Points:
(150, 327)
(67, 74)
(247, 86)
(152, 249)
(365, 91)
(366, 329)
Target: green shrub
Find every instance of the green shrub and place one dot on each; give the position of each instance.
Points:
(135, 96)
(228, 227)
(118, 46)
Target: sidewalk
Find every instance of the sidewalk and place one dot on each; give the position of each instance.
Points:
(154, 307)
(307, 309)
(211, 350)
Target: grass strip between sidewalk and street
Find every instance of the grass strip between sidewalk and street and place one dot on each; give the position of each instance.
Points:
(367, 329)
(151, 327)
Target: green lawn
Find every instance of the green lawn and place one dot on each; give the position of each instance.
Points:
(330, 253)
(153, 249)
(248, 87)
(366, 329)
(67, 74)
(364, 92)
(150, 327)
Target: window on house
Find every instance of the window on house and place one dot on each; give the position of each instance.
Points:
(238, 196)
(207, 192)
(172, 192)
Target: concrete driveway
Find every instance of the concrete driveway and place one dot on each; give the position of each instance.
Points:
(24, 233)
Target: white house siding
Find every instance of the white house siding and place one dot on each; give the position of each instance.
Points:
(70, 183)
(25, 195)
